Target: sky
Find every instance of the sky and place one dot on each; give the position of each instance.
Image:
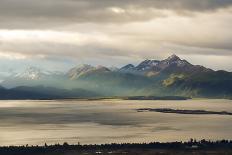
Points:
(59, 34)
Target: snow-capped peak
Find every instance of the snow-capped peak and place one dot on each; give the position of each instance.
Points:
(32, 73)
(147, 64)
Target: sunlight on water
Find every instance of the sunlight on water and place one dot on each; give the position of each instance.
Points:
(37, 122)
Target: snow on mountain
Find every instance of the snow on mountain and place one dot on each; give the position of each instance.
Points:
(34, 73)
(31, 73)
(147, 65)
(153, 67)
(33, 76)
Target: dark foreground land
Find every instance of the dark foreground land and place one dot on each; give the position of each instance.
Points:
(203, 147)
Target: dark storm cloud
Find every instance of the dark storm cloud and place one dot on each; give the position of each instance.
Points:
(35, 13)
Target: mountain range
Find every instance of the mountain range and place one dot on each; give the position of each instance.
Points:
(169, 77)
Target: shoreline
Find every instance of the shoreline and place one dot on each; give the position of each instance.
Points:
(174, 148)
(111, 98)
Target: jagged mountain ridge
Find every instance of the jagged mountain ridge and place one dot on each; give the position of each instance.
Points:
(32, 73)
(171, 64)
(171, 76)
(33, 76)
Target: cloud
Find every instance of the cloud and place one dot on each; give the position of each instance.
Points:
(55, 13)
(114, 32)
(150, 39)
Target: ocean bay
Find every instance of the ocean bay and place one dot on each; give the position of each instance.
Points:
(35, 122)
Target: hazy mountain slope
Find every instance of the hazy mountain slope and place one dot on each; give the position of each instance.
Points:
(171, 76)
(205, 84)
(20, 94)
(116, 84)
(174, 76)
(41, 92)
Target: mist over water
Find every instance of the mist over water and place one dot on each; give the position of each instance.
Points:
(109, 121)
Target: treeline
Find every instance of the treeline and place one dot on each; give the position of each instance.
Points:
(62, 148)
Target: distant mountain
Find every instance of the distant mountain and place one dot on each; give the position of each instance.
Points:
(216, 84)
(84, 70)
(33, 76)
(41, 92)
(128, 68)
(113, 69)
(32, 73)
(171, 76)
(172, 64)
(79, 70)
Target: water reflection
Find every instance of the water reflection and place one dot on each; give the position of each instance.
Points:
(37, 122)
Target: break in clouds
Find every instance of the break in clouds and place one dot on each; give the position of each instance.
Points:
(110, 32)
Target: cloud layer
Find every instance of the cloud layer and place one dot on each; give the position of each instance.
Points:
(116, 32)
(32, 14)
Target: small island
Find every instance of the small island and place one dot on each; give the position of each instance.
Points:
(181, 111)
(157, 98)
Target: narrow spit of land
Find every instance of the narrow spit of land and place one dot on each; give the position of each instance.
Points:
(180, 111)
(203, 147)
(99, 98)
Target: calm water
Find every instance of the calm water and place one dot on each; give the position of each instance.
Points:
(37, 122)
